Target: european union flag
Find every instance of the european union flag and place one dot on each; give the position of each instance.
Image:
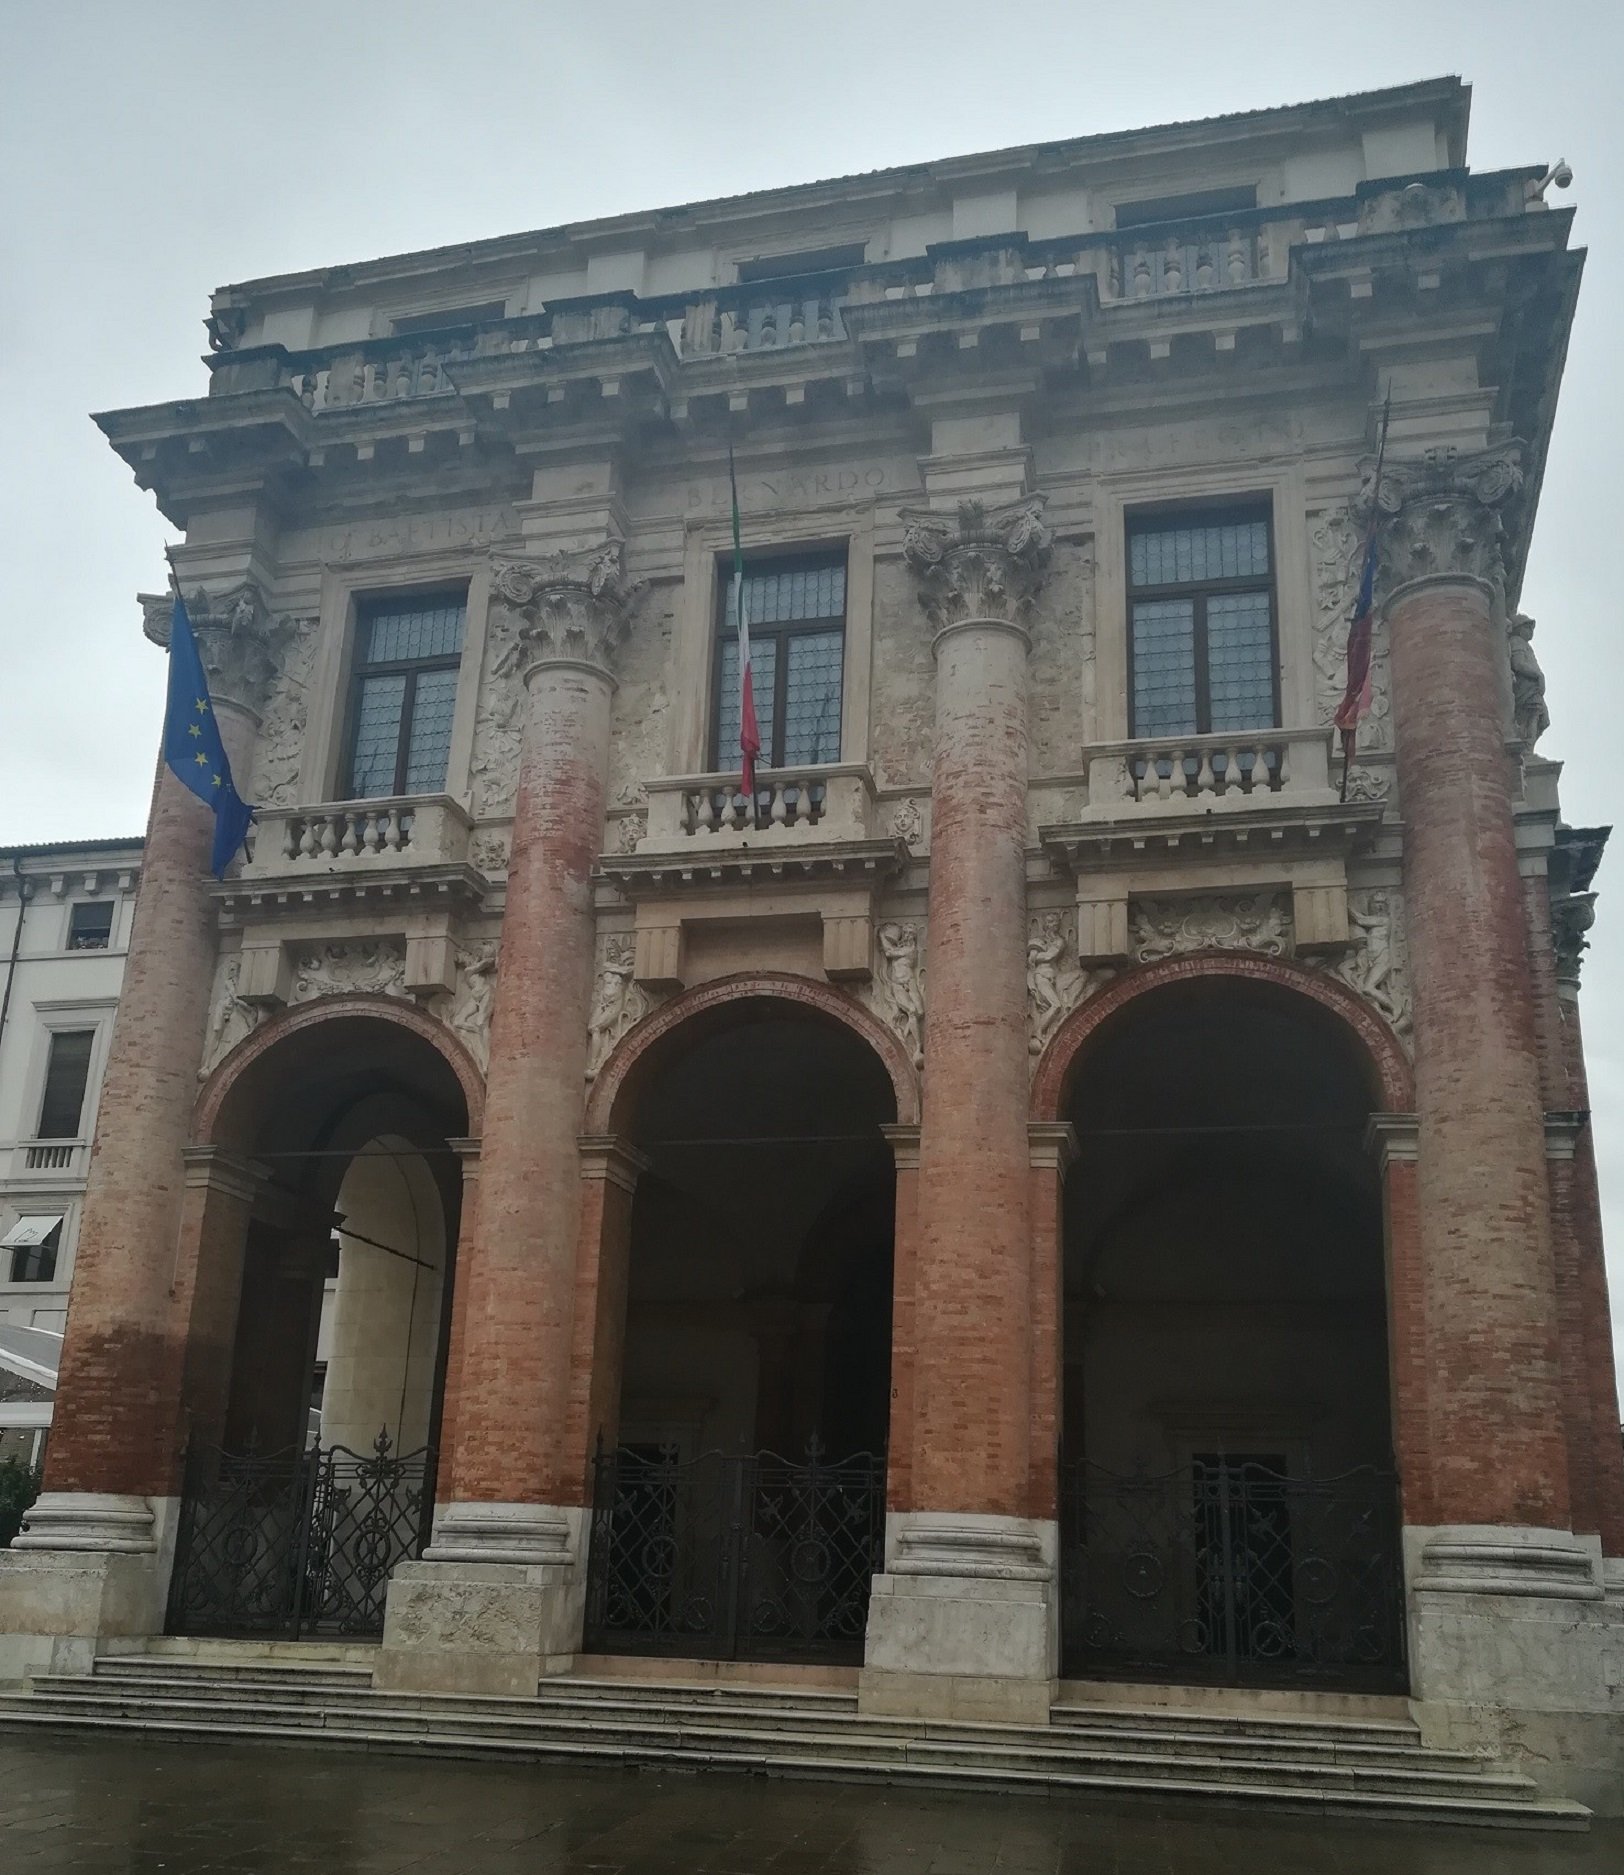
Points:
(192, 745)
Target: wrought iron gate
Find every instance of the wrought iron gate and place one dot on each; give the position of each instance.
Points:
(1229, 1570)
(299, 1543)
(726, 1556)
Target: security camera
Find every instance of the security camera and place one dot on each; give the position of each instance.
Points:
(1559, 173)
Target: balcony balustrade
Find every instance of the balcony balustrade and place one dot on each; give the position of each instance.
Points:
(1230, 773)
(351, 836)
(33, 1158)
(792, 807)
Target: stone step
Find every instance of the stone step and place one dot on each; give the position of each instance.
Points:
(1401, 1750)
(1471, 1805)
(992, 1750)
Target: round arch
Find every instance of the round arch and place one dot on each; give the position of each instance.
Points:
(237, 1068)
(1391, 1076)
(641, 1049)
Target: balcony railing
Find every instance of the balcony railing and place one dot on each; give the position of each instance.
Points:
(1230, 772)
(421, 829)
(804, 315)
(791, 805)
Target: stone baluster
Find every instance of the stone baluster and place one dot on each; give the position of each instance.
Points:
(967, 1515)
(514, 1517)
(117, 1438)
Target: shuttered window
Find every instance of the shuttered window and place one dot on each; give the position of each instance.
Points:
(67, 1073)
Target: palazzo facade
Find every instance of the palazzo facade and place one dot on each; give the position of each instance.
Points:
(1065, 1183)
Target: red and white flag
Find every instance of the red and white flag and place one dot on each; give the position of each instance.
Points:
(749, 731)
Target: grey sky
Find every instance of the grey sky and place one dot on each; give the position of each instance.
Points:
(151, 152)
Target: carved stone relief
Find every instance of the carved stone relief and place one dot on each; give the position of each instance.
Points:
(467, 1010)
(279, 748)
(1376, 966)
(1530, 717)
(632, 828)
(1338, 546)
(1572, 916)
(499, 714)
(369, 966)
(488, 850)
(908, 824)
(1258, 921)
(897, 992)
(1056, 981)
(982, 563)
(230, 1018)
(617, 1001)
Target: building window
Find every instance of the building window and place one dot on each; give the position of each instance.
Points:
(67, 1072)
(1201, 633)
(796, 611)
(33, 1243)
(402, 695)
(90, 926)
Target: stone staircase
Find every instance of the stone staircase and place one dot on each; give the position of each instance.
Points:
(1365, 1766)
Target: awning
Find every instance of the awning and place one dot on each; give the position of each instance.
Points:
(28, 1232)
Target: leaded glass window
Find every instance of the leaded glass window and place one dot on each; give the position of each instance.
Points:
(1201, 623)
(403, 694)
(797, 615)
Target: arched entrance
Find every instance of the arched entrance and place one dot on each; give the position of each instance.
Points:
(1229, 1502)
(312, 1450)
(739, 1508)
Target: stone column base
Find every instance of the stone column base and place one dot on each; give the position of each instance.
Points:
(964, 1623)
(496, 1603)
(1517, 1647)
(87, 1574)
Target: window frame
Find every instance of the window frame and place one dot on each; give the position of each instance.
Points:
(54, 1034)
(787, 559)
(106, 905)
(1227, 513)
(50, 1245)
(366, 606)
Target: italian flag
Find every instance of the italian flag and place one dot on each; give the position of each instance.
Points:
(749, 732)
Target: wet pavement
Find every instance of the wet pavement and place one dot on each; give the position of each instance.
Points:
(98, 1807)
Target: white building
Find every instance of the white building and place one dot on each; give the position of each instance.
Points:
(65, 914)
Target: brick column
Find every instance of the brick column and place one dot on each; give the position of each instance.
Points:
(963, 1617)
(1497, 1452)
(1052, 1146)
(515, 1496)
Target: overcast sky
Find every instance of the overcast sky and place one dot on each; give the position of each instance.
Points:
(151, 152)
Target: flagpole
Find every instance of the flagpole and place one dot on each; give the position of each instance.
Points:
(1364, 603)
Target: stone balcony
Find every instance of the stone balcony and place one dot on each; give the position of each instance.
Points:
(805, 850)
(49, 1160)
(1183, 814)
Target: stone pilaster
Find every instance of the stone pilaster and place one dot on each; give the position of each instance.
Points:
(497, 1599)
(963, 1617)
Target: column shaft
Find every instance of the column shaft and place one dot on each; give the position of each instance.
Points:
(1495, 1429)
(972, 1305)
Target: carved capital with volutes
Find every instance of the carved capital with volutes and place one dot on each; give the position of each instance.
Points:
(980, 563)
(1572, 916)
(1443, 517)
(238, 639)
(571, 608)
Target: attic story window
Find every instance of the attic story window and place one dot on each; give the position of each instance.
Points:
(449, 316)
(792, 266)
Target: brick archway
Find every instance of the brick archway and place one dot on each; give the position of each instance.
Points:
(644, 1045)
(1391, 1076)
(245, 1058)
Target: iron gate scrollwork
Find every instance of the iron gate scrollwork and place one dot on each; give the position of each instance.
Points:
(1232, 1571)
(734, 1556)
(296, 1543)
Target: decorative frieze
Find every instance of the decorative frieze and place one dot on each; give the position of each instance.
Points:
(356, 967)
(980, 563)
(1258, 921)
(572, 607)
(1443, 517)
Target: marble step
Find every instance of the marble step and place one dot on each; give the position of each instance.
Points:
(988, 1753)
(1395, 1746)
(1469, 1806)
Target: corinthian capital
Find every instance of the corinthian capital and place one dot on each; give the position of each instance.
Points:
(982, 563)
(571, 608)
(238, 640)
(1442, 517)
